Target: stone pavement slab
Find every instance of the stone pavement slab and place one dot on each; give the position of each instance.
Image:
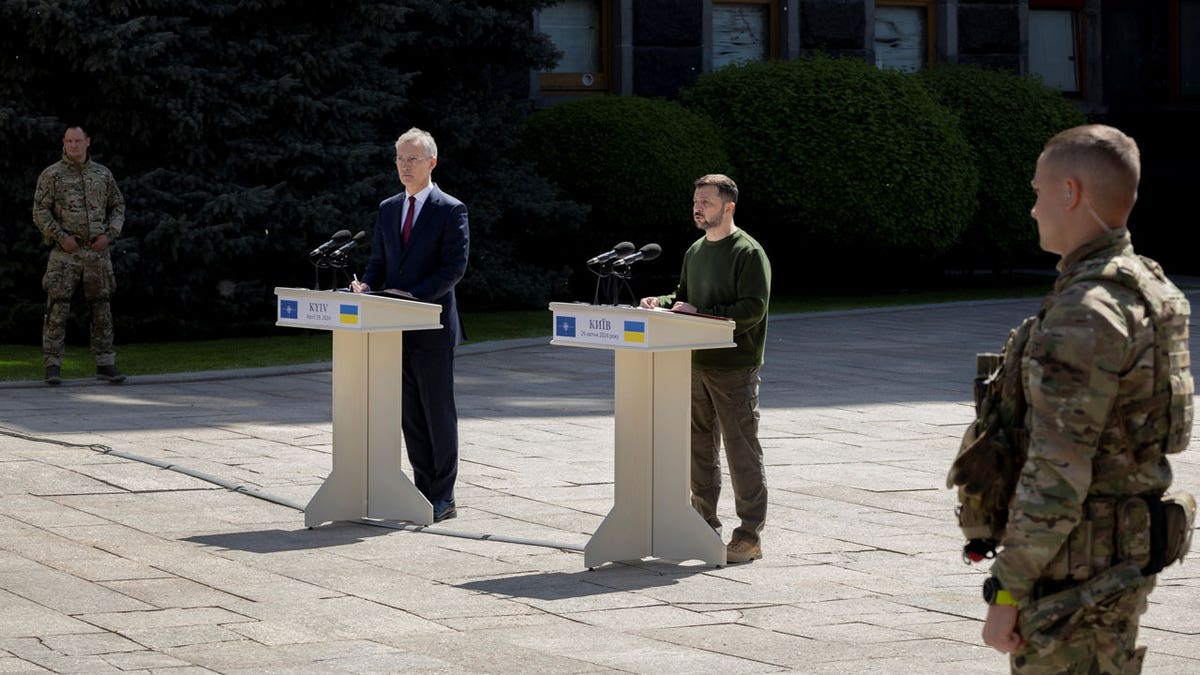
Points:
(112, 564)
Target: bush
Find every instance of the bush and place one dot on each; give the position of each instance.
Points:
(634, 161)
(839, 154)
(1007, 119)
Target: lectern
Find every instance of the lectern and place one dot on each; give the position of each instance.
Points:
(367, 480)
(652, 514)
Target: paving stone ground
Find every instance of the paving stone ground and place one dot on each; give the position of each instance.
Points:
(109, 564)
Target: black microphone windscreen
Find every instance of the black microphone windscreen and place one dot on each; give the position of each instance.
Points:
(651, 251)
(362, 234)
(340, 234)
(624, 248)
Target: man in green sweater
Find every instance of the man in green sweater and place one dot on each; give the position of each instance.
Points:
(726, 273)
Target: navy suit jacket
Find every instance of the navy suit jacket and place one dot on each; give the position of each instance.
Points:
(429, 267)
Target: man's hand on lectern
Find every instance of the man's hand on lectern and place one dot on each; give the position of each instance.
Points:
(684, 307)
(650, 303)
(359, 287)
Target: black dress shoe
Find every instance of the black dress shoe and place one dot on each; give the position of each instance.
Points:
(443, 511)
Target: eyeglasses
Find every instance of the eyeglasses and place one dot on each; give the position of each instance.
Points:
(410, 160)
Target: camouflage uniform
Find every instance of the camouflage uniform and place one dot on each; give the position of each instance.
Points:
(1090, 357)
(83, 201)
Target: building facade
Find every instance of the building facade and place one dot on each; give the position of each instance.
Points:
(1103, 53)
(1131, 63)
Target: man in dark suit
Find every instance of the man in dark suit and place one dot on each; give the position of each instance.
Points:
(420, 248)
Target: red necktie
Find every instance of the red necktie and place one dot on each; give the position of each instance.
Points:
(408, 218)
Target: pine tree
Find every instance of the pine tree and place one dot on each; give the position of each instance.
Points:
(243, 133)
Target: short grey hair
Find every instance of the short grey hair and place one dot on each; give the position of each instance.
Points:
(415, 135)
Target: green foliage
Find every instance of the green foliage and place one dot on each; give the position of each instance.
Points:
(243, 133)
(1007, 119)
(837, 154)
(634, 160)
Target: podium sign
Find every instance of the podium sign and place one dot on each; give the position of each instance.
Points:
(652, 513)
(367, 480)
(583, 325)
(332, 310)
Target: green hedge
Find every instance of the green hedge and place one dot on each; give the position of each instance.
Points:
(1007, 119)
(634, 161)
(839, 154)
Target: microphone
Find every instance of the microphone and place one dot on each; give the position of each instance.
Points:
(337, 238)
(622, 249)
(647, 252)
(344, 249)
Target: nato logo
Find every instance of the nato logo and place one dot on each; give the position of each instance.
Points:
(564, 326)
(289, 309)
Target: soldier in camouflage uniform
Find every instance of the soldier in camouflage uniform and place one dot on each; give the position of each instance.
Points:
(1095, 418)
(80, 211)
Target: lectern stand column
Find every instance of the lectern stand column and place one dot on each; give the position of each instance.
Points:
(367, 479)
(652, 513)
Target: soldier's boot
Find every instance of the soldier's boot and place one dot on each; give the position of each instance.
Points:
(53, 375)
(109, 374)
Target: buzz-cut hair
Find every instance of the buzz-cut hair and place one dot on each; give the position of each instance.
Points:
(79, 127)
(726, 188)
(1108, 156)
(415, 135)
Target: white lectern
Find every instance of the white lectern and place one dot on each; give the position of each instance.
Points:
(366, 481)
(652, 514)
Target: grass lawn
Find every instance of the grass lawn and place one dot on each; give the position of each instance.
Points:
(24, 362)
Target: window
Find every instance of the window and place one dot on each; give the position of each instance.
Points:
(580, 30)
(1185, 48)
(903, 34)
(1056, 43)
(743, 31)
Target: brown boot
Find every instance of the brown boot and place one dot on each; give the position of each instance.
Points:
(740, 551)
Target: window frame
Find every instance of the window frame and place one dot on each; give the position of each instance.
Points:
(569, 82)
(1079, 7)
(930, 25)
(772, 24)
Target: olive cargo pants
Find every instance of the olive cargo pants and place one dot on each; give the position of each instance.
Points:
(725, 407)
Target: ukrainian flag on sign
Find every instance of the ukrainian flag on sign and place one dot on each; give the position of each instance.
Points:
(635, 331)
(348, 314)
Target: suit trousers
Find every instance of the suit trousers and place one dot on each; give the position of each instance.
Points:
(430, 421)
(725, 407)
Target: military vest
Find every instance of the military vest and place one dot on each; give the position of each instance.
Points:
(995, 445)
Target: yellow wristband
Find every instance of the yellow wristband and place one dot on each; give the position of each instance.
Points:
(1003, 597)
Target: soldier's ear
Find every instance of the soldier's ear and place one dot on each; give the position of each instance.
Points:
(1072, 191)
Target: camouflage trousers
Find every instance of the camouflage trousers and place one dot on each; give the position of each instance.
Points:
(1103, 643)
(63, 274)
(725, 408)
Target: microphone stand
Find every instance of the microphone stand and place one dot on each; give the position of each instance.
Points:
(607, 291)
(610, 281)
(618, 279)
(323, 262)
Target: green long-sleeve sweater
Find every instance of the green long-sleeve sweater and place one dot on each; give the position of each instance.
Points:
(730, 278)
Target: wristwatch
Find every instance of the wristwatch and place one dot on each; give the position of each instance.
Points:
(994, 593)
